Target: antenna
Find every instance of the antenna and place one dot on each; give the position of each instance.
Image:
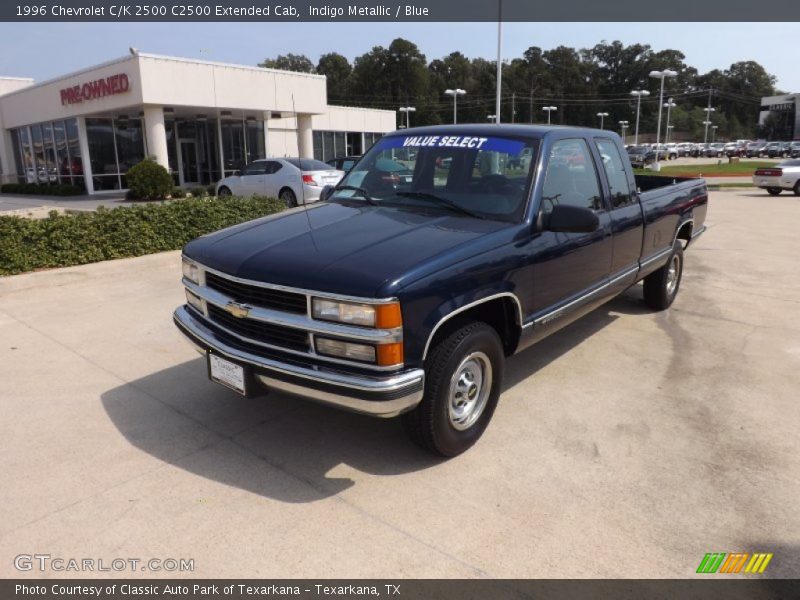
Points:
(303, 183)
(299, 158)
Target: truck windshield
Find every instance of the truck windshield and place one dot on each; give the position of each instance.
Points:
(479, 176)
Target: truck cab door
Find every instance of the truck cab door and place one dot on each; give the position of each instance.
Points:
(569, 266)
(627, 220)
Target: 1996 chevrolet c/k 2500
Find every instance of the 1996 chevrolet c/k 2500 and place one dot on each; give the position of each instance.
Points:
(443, 251)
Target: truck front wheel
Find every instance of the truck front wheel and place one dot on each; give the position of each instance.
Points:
(661, 287)
(463, 375)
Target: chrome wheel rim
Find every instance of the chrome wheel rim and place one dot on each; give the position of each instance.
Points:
(470, 387)
(672, 274)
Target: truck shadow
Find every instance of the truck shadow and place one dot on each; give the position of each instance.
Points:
(282, 447)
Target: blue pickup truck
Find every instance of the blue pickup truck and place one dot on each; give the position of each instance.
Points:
(402, 296)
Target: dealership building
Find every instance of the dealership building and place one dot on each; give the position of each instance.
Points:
(202, 120)
(784, 113)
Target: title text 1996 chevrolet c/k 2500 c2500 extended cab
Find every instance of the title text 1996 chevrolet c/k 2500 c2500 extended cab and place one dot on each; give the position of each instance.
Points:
(403, 296)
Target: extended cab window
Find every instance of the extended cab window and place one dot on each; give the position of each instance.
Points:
(615, 172)
(571, 177)
(479, 175)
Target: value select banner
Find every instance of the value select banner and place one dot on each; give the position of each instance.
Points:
(444, 11)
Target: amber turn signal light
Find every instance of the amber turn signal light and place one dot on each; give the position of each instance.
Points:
(387, 316)
(390, 354)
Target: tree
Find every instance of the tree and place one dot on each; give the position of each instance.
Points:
(337, 69)
(290, 62)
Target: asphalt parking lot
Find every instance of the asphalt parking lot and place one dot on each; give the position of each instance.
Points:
(627, 445)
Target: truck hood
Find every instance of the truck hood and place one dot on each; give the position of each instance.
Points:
(357, 250)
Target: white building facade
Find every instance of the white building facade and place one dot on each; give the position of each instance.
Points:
(201, 120)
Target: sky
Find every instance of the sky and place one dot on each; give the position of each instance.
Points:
(46, 50)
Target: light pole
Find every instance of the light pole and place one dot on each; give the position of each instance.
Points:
(624, 126)
(455, 94)
(669, 132)
(714, 133)
(669, 105)
(662, 75)
(499, 61)
(548, 110)
(638, 94)
(708, 110)
(602, 116)
(408, 110)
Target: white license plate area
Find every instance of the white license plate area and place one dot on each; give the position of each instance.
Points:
(227, 373)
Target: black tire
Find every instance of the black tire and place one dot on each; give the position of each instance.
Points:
(774, 191)
(224, 191)
(434, 424)
(661, 287)
(288, 197)
(797, 188)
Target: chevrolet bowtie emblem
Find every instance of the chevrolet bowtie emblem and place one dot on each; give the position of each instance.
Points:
(240, 311)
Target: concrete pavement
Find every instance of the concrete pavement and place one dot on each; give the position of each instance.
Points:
(627, 445)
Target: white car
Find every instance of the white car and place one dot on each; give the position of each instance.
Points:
(783, 176)
(293, 180)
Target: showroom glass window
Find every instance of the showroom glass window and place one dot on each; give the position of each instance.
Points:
(15, 143)
(233, 146)
(255, 140)
(74, 150)
(49, 153)
(129, 139)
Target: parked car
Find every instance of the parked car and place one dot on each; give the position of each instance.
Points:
(715, 150)
(795, 150)
(783, 176)
(755, 149)
(777, 150)
(732, 149)
(641, 156)
(686, 149)
(406, 300)
(293, 180)
(666, 151)
(343, 163)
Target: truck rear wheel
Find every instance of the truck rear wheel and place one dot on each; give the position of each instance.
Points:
(661, 287)
(463, 375)
(774, 191)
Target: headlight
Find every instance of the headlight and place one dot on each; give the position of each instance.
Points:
(382, 316)
(196, 301)
(191, 271)
(360, 352)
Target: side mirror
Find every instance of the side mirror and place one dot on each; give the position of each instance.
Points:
(326, 193)
(572, 219)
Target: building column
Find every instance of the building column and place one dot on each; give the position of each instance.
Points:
(305, 138)
(156, 135)
(266, 116)
(86, 162)
(8, 170)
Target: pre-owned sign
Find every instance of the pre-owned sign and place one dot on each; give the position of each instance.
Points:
(110, 86)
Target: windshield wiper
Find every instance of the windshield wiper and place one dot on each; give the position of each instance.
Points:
(364, 193)
(444, 201)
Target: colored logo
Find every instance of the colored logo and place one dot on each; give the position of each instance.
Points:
(734, 562)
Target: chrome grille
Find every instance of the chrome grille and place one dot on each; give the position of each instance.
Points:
(276, 335)
(258, 296)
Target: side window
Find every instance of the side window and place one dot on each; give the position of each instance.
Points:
(571, 177)
(256, 168)
(615, 171)
(273, 167)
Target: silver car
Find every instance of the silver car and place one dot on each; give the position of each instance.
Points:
(293, 180)
(783, 176)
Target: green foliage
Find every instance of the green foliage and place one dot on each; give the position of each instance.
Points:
(148, 180)
(291, 62)
(65, 240)
(42, 189)
(199, 192)
(177, 192)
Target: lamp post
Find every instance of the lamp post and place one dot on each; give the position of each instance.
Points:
(638, 94)
(669, 132)
(548, 110)
(662, 75)
(714, 133)
(408, 110)
(624, 126)
(455, 94)
(602, 116)
(669, 105)
(708, 110)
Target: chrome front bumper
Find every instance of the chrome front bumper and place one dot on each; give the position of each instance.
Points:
(378, 396)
